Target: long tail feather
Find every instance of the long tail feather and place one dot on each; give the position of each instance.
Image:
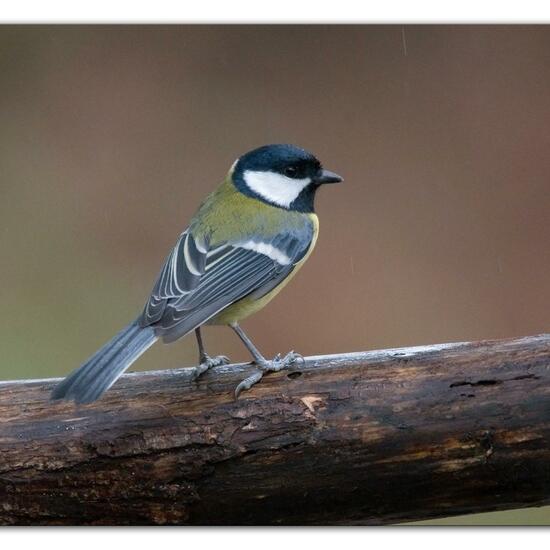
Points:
(88, 382)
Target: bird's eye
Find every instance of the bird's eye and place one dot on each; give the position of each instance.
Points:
(291, 171)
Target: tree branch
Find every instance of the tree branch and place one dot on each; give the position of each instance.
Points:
(361, 438)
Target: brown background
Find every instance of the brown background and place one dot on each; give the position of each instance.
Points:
(111, 136)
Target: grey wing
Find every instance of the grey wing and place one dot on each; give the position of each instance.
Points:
(182, 299)
(179, 276)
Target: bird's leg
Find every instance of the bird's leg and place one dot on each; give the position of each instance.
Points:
(205, 361)
(264, 365)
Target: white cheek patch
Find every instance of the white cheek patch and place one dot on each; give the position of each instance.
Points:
(268, 250)
(274, 187)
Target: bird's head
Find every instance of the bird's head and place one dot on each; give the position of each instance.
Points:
(281, 175)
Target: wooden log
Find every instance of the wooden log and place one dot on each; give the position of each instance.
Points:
(361, 438)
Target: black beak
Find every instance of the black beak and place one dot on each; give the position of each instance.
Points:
(326, 176)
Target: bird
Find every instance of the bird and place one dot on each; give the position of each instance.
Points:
(246, 241)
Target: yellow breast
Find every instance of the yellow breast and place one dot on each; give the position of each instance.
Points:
(245, 307)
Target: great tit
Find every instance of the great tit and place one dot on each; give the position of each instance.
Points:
(246, 241)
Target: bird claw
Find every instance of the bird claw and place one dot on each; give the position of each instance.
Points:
(207, 363)
(219, 360)
(279, 363)
(297, 357)
(248, 382)
(275, 365)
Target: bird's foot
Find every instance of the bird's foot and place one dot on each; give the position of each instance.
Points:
(206, 363)
(277, 364)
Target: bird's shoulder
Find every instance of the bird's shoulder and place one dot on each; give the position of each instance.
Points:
(229, 216)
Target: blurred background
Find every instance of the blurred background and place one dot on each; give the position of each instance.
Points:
(110, 136)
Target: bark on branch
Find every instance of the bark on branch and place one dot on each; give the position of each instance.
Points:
(360, 438)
